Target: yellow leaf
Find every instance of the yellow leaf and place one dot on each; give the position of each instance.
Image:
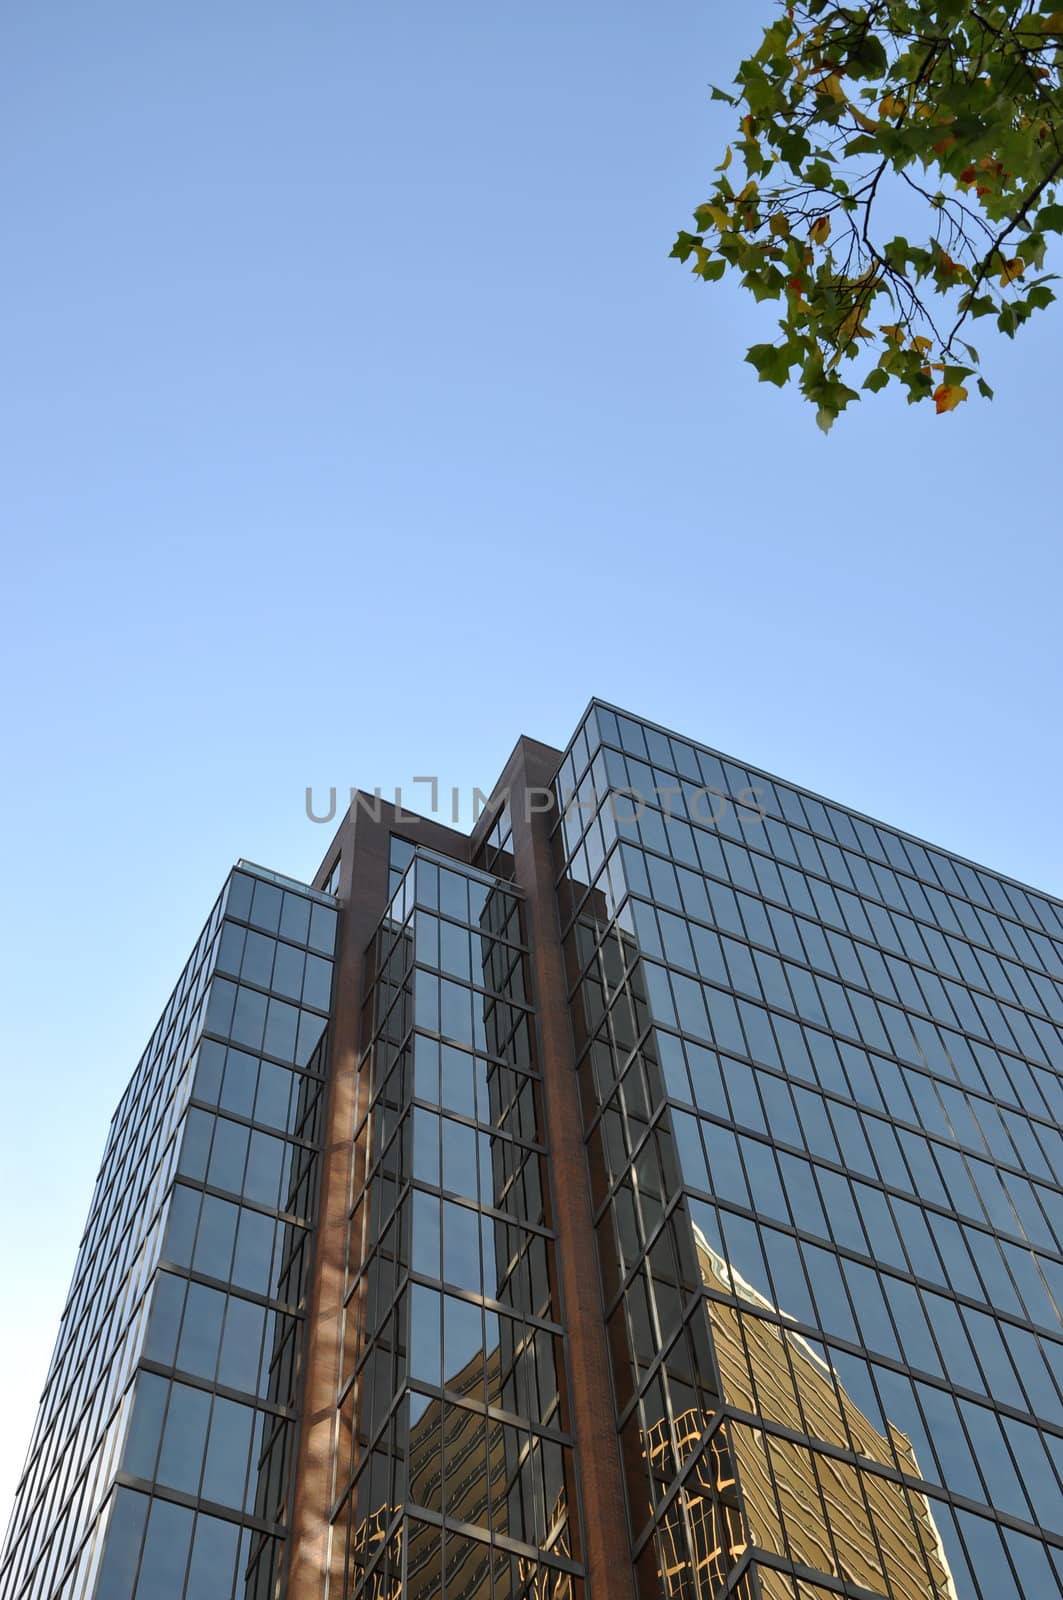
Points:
(725, 163)
(1053, 23)
(852, 325)
(716, 215)
(779, 225)
(948, 396)
(749, 190)
(1012, 269)
(893, 331)
(832, 85)
(922, 343)
(819, 232)
(868, 124)
(702, 258)
(891, 106)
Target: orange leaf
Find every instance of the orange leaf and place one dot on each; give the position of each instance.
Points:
(948, 396)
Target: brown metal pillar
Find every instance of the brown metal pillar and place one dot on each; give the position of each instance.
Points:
(606, 1549)
(314, 1567)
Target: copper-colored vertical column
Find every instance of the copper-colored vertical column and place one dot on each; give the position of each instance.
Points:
(311, 1561)
(315, 1566)
(605, 1539)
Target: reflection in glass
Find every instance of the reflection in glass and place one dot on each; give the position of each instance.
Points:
(481, 1441)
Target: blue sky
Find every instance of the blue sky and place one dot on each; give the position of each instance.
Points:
(354, 421)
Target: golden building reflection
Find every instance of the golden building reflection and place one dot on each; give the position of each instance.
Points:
(479, 1471)
(801, 1499)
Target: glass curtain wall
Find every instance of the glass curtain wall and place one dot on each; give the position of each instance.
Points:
(182, 1339)
(455, 1472)
(820, 1069)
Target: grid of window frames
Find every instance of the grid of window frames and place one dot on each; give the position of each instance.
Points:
(455, 1472)
(820, 1072)
(83, 1411)
(187, 1299)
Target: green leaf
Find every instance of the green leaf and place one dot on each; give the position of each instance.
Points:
(765, 285)
(771, 361)
(867, 57)
(876, 379)
(713, 270)
(1032, 249)
(825, 418)
(1050, 219)
(793, 148)
(1008, 320)
(684, 244)
(982, 305)
(984, 390)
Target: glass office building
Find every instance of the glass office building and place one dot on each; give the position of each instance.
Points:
(654, 1194)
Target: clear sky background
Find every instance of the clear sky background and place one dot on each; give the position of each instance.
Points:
(354, 422)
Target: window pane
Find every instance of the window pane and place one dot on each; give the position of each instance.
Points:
(166, 1305)
(462, 1337)
(214, 1243)
(461, 1247)
(295, 918)
(288, 971)
(162, 1569)
(228, 1156)
(201, 1331)
(181, 1459)
(142, 1443)
(122, 1550)
(424, 1334)
(241, 1345)
(210, 1574)
(228, 1452)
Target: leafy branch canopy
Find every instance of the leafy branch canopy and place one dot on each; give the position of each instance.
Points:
(942, 117)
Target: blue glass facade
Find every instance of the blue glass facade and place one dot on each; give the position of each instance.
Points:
(160, 1463)
(820, 1070)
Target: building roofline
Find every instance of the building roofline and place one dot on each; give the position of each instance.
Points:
(788, 783)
